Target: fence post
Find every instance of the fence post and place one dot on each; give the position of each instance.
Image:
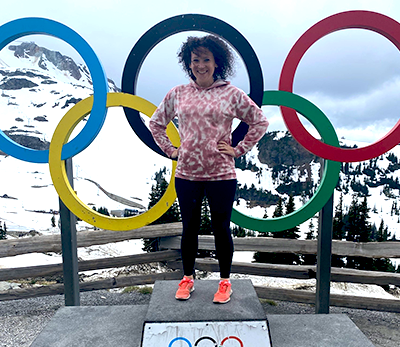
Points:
(324, 255)
(69, 248)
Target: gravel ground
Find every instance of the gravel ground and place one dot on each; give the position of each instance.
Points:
(22, 320)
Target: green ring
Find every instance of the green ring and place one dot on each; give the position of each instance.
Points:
(329, 178)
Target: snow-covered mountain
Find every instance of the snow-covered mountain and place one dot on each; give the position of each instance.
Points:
(37, 87)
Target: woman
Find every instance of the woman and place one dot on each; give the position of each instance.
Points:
(205, 109)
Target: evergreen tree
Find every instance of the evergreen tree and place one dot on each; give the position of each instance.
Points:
(238, 231)
(360, 230)
(157, 191)
(338, 221)
(380, 233)
(103, 210)
(386, 234)
(352, 223)
(278, 212)
(382, 264)
(205, 225)
(292, 233)
(364, 225)
(374, 232)
(205, 228)
(346, 168)
(265, 233)
(338, 231)
(311, 230)
(3, 232)
(53, 221)
(353, 232)
(171, 215)
(264, 257)
(310, 259)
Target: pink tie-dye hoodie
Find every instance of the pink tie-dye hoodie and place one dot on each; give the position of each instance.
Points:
(205, 117)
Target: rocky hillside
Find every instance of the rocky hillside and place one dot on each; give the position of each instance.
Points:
(37, 87)
(280, 167)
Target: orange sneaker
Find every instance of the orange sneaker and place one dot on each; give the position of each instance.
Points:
(223, 295)
(186, 286)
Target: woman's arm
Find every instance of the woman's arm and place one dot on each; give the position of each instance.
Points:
(251, 114)
(158, 125)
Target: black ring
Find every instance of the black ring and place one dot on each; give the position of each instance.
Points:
(174, 25)
(206, 338)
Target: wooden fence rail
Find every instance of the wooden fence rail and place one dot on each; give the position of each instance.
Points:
(170, 242)
(52, 243)
(109, 283)
(267, 244)
(306, 297)
(87, 265)
(298, 272)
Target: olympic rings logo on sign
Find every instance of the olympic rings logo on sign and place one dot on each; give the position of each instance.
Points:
(197, 343)
(289, 103)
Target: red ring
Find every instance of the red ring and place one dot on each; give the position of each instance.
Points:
(232, 337)
(373, 21)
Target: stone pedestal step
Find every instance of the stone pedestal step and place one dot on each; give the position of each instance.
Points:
(202, 321)
(173, 323)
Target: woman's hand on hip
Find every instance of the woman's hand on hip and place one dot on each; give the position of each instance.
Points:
(225, 148)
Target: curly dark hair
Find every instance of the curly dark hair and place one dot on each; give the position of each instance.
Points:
(223, 55)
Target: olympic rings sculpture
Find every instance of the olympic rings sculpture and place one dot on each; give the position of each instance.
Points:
(289, 103)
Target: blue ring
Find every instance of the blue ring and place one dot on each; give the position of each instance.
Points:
(180, 338)
(29, 26)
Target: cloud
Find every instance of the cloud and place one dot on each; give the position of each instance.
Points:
(378, 107)
(363, 117)
(348, 63)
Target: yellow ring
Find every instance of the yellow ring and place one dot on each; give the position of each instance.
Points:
(59, 175)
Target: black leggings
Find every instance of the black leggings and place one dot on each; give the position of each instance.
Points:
(220, 196)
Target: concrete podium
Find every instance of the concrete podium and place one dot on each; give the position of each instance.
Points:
(204, 323)
(175, 323)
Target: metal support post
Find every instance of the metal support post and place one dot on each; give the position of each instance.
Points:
(69, 248)
(324, 258)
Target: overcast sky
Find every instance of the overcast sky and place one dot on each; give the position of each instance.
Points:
(352, 75)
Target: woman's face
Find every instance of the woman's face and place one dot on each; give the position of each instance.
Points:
(203, 67)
